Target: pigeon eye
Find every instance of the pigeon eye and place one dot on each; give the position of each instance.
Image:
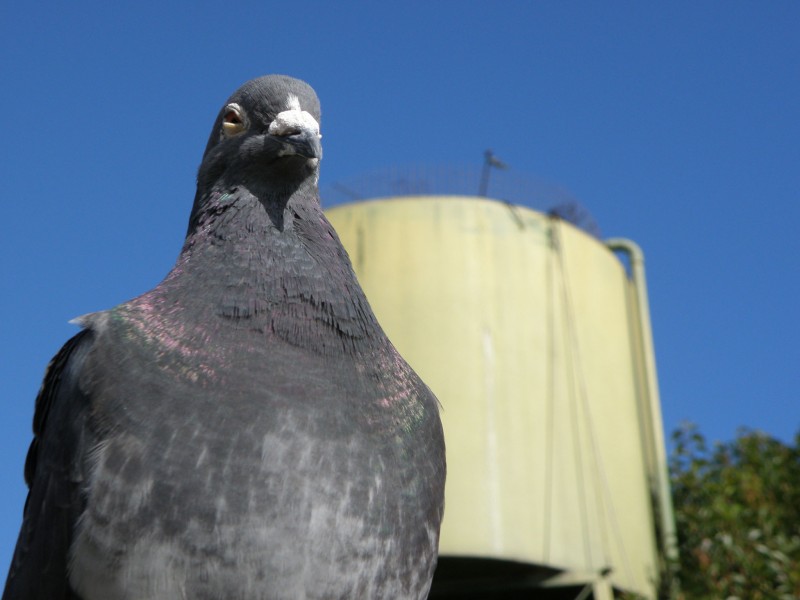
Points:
(233, 122)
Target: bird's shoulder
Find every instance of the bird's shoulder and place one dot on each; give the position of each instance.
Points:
(60, 399)
(55, 471)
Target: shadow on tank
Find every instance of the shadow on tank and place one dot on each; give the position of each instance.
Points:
(477, 578)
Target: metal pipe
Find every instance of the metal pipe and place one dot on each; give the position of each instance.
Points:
(636, 257)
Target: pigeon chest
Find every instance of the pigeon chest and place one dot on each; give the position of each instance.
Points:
(254, 478)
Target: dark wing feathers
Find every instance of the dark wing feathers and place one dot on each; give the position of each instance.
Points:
(54, 473)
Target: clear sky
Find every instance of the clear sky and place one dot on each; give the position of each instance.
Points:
(676, 124)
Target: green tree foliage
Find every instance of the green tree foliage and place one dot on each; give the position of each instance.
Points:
(737, 510)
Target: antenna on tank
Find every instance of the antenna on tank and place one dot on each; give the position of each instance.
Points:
(489, 161)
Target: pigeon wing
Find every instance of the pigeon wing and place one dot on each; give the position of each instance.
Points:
(54, 472)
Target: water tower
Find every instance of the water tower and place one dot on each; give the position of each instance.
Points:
(536, 339)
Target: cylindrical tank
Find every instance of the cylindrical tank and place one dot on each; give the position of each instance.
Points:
(521, 325)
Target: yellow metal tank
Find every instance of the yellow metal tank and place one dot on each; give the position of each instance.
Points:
(523, 327)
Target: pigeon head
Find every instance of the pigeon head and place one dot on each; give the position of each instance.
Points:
(267, 130)
(265, 140)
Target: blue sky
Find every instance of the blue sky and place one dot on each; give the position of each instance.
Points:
(676, 124)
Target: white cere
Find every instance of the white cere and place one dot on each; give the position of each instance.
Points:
(293, 120)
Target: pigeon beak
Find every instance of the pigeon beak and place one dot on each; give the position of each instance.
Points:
(305, 143)
(299, 133)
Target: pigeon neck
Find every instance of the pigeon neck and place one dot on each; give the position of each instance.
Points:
(275, 264)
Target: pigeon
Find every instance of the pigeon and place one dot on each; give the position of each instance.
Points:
(245, 430)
